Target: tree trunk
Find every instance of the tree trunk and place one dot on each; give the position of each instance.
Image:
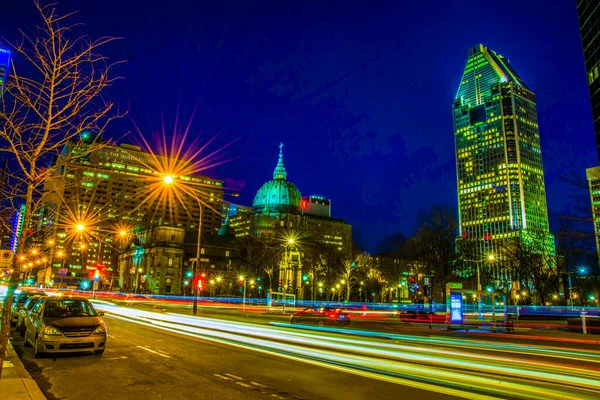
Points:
(15, 276)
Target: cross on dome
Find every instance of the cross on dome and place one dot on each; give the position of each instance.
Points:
(280, 172)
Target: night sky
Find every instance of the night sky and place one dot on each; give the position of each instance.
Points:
(360, 92)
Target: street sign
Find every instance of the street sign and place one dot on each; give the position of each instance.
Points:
(454, 285)
(6, 257)
(426, 281)
(62, 272)
(95, 285)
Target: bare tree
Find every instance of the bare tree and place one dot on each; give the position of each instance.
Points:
(51, 114)
(350, 263)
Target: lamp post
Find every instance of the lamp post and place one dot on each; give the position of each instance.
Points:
(490, 258)
(169, 180)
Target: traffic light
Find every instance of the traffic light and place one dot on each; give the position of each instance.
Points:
(305, 278)
(188, 274)
(403, 282)
(411, 279)
(96, 275)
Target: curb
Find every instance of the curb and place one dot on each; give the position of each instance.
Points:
(16, 383)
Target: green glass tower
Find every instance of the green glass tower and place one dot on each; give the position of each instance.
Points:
(501, 192)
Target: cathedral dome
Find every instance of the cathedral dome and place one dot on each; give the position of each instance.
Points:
(279, 194)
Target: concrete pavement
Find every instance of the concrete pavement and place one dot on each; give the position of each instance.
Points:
(16, 383)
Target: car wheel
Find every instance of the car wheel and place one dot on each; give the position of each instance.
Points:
(99, 351)
(293, 320)
(320, 323)
(36, 346)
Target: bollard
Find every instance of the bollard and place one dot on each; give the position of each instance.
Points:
(583, 323)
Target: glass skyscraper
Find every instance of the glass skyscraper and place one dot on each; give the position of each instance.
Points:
(501, 192)
(4, 65)
(589, 24)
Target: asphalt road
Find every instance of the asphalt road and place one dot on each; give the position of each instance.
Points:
(143, 362)
(160, 355)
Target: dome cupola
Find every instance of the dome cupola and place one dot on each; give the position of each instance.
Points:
(278, 195)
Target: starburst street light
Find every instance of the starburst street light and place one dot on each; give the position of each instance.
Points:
(80, 227)
(168, 179)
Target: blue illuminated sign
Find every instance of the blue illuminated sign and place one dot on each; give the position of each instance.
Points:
(456, 311)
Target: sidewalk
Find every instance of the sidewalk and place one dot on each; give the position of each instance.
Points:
(16, 383)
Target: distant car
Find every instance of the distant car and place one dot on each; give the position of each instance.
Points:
(19, 301)
(320, 316)
(64, 324)
(422, 316)
(27, 306)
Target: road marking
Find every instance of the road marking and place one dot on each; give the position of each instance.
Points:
(277, 396)
(259, 385)
(244, 385)
(116, 358)
(111, 336)
(223, 377)
(235, 377)
(154, 352)
(7, 364)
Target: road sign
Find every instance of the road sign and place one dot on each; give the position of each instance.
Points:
(426, 281)
(6, 257)
(62, 271)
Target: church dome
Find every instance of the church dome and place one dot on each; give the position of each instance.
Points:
(278, 194)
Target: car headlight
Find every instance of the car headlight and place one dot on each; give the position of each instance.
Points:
(52, 331)
(100, 329)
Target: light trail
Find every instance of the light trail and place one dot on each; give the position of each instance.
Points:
(457, 367)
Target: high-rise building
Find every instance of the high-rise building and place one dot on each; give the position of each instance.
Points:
(111, 190)
(500, 177)
(4, 66)
(589, 25)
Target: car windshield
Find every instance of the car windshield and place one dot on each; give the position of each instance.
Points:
(65, 308)
(31, 302)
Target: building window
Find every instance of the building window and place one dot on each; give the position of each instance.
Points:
(202, 250)
(226, 253)
(170, 262)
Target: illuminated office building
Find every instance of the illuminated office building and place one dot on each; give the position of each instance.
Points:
(500, 177)
(4, 66)
(110, 189)
(589, 25)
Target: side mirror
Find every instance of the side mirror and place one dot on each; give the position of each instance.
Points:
(34, 315)
(100, 313)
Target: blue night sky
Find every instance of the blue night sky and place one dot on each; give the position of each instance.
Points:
(360, 92)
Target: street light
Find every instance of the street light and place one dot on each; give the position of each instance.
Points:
(168, 179)
(80, 227)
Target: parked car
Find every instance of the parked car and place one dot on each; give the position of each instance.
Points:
(422, 316)
(65, 324)
(320, 316)
(19, 301)
(27, 306)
